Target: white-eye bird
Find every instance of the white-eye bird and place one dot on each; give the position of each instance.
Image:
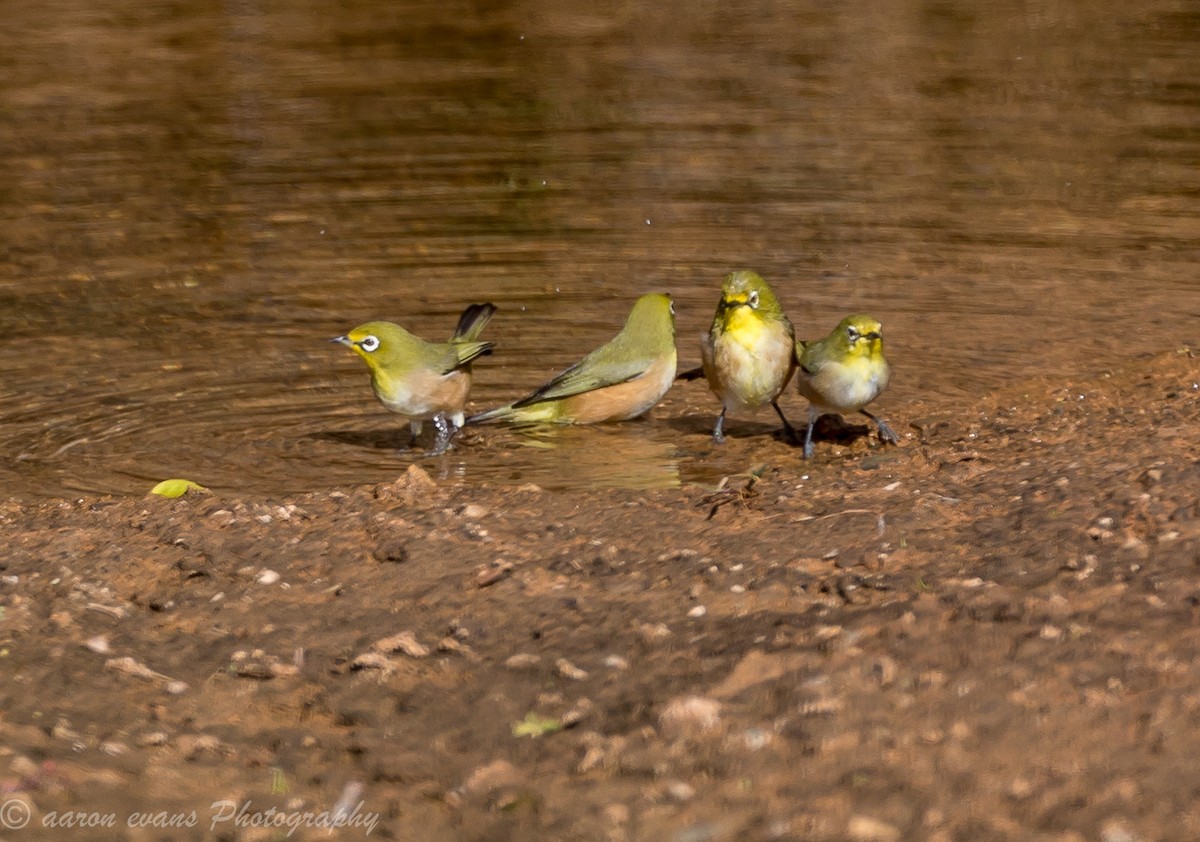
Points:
(844, 372)
(423, 381)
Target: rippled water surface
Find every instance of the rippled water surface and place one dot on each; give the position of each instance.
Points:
(195, 196)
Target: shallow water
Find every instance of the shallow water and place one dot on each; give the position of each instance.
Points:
(196, 196)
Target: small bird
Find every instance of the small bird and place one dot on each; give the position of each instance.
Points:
(844, 372)
(749, 352)
(423, 380)
(616, 382)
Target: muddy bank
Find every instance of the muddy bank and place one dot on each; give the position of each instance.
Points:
(988, 632)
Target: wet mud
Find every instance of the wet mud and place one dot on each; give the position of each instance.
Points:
(986, 632)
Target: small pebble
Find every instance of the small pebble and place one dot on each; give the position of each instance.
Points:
(867, 829)
(472, 511)
(373, 661)
(522, 661)
(405, 642)
(154, 738)
(690, 713)
(568, 670)
(698, 611)
(679, 791)
(267, 577)
(616, 662)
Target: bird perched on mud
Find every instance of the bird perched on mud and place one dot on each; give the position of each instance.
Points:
(423, 380)
(843, 373)
(616, 382)
(749, 351)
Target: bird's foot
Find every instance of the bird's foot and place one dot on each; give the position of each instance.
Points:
(886, 433)
(445, 432)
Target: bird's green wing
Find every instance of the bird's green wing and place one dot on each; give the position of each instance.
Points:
(455, 355)
(588, 374)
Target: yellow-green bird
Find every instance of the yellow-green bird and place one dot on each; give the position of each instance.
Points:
(422, 380)
(616, 382)
(749, 351)
(843, 373)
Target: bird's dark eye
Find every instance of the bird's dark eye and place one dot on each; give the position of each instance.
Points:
(369, 343)
(752, 299)
(852, 333)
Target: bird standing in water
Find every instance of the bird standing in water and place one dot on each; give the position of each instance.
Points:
(422, 380)
(843, 373)
(749, 351)
(618, 381)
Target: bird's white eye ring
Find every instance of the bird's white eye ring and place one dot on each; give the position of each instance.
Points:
(752, 299)
(672, 306)
(852, 333)
(369, 343)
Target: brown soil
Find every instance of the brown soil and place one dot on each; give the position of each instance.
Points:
(986, 633)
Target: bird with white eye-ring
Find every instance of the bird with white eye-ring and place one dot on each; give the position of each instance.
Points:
(423, 381)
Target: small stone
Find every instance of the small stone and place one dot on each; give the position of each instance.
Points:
(867, 829)
(756, 739)
(405, 642)
(679, 791)
(267, 577)
(616, 662)
(472, 511)
(455, 646)
(523, 661)
(698, 611)
(489, 778)
(687, 714)
(63, 731)
(373, 661)
(153, 738)
(1114, 830)
(493, 573)
(737, 588)
(416, 484)
(652, 634)
(568, 670)
(177, 688)
(99, 644)
(580, 711)
(391, 550)
(192, 746)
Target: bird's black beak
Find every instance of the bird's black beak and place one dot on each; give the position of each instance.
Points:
(342, 340)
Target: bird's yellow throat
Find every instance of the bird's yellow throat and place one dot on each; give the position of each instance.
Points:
(745, 326)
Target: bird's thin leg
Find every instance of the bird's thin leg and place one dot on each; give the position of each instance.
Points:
(886, 433)
(719, 430)
(445, 432)
(788, 429)
(813, 415)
